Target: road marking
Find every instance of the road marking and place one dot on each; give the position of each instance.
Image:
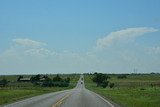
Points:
(103, 99)
(59, 102)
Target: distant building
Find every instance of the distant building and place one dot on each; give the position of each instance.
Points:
(25, 80)
(34, 78)
(42, 79)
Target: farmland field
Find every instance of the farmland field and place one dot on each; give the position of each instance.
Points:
(140, 90)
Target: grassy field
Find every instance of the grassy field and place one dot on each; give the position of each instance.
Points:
(20, 90)
(134, 91)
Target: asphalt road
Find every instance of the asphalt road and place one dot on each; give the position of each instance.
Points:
(77, 97)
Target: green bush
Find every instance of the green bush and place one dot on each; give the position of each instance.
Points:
(111, 85)
(105, 84)
(56, 82)
(3, 82)
(121, 76)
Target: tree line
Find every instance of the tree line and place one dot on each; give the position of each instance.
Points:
(56, 81)
(41, 80)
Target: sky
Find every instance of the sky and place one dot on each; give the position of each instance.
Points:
(79, 36)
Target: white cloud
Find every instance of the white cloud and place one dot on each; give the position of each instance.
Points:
(30, 56)
(40, 52)
(125, 34)
(154, 50)
(30, 47)
(25, 48)
(28, 42)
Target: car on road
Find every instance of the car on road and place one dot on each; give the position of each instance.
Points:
(81, 82)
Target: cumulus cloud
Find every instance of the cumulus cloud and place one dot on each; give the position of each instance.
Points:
(28, 42)
(125, 34)
(27, 47)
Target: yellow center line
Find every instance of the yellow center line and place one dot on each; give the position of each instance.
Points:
(59, 102)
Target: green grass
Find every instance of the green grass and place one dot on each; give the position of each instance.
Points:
(135, 91)
(20, 90)
(8, 95)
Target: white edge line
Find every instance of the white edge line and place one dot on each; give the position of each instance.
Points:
(103, 99)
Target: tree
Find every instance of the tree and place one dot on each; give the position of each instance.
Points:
(67, 80)
(111, 85)
(3, 82)
(57, 78)
(36, 78)
(99, 78)
(48, 83)
(57, 81)
(45, 76)
(105, 84)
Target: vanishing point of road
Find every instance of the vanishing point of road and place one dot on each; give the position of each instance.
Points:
(77, 97)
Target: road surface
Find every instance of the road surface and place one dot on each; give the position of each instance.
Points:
(77, 97)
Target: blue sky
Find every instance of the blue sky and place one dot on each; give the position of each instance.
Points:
(74, 36)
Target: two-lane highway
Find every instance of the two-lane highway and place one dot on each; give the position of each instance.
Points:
(77, 97)
(81, 97)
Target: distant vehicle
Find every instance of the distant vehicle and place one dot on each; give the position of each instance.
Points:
(81, 78)
(81, 82)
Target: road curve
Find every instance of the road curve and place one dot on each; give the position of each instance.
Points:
(77, 97)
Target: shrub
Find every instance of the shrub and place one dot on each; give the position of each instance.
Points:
(111, 85)
(121, 76)
(105, 84)
(3, 82)
(56, 82)
(63, 84)
(48, 83)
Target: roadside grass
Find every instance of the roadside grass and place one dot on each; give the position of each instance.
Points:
(134, 91)
(15, 91)
(8, 95)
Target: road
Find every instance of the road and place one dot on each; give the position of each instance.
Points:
(77, 97)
